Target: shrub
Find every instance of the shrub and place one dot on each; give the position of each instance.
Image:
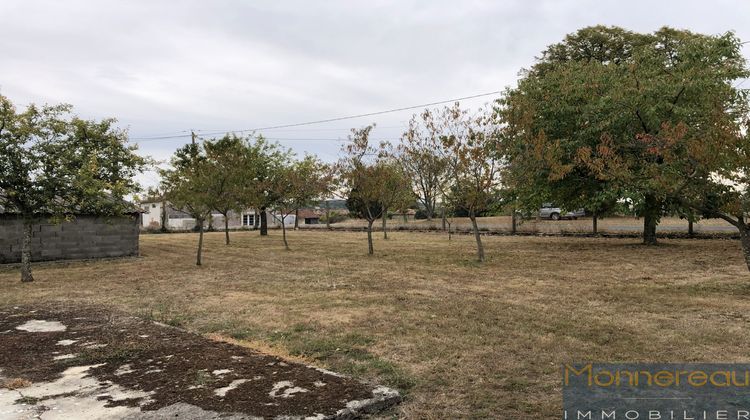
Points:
(334, 217)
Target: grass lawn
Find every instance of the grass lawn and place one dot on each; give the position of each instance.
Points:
(458, 338)
(614, 224)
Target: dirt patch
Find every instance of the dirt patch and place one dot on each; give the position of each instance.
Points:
(168, 366)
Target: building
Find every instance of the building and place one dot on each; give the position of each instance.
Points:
(154, 211)
(405, 215)
(83, 237)
(309, 216)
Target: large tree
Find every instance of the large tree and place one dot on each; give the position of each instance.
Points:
(722, 192)
(54, 165)
(612, 113)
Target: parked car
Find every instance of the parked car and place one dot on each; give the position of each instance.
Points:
(549, 211)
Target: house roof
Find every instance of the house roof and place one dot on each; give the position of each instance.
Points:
(308, 214)
(408, 212)
(151, 199)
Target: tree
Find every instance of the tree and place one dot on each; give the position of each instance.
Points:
(262, 160)
(226, 158)
(54, 166)
(187, 186)
(396, 189)
(362, 174)
(418, 153)
(313, 180)
(469, 145)
(296, 184)
(608, 112)
(284, 184)
(724, 192)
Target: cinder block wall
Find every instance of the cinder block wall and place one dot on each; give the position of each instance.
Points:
(84, 237)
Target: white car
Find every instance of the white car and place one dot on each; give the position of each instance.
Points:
(549, 211)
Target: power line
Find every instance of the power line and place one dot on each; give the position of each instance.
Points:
(201, 138)
(348, 117)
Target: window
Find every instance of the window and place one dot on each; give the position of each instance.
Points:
(248, 220)
(153, 206)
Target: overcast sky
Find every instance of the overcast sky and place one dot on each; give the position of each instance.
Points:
(163, 67)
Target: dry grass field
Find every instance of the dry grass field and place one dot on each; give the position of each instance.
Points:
(612, 225)
(459, 339)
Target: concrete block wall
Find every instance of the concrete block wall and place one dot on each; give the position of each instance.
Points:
(84, 237)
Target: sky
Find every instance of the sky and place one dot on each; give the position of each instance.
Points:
(163, 68)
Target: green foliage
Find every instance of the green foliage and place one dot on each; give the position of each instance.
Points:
(374, 179)
(362, 174)
(609, 114)
(469, 145)
(52, 164)
(188, 184)
(226, 160)
(396, 191)
(334, 217)
(301, 183)
(263, 162)
(56, 166)
(421, 160)
(360, 206)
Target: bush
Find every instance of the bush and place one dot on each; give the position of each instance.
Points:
(421, 214)
(334, 217)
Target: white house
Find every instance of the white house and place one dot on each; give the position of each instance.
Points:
(154, 211)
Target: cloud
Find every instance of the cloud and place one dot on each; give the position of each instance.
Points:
(163, 66)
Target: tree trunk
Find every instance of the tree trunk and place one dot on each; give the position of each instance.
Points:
(745, 240)
(328, 215)
(480, 247)
(263, 222)
(385, 217)
(690, 227)
(370, 250)
(164, 218)
(429, 208)
(200, 242)
(226, 228)
(406, 217)
(283, 231)
(443, 216)
(595, 223)
(296, 219)
(26, 251)
(513, 221)
(651, 214)
(256, 219)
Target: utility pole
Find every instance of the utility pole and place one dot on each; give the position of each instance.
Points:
(198, 222)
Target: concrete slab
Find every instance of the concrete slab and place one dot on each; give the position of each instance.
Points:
(120, 367)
